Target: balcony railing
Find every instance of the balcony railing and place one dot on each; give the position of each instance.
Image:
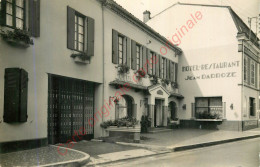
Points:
(210, 113)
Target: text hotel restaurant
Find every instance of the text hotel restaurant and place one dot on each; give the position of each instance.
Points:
(78, 65)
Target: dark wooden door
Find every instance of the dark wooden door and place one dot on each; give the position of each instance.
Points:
(70, 106)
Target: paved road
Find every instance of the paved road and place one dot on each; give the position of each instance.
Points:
(237, 154)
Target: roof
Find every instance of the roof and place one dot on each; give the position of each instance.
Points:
(112, 5)
(241, 26)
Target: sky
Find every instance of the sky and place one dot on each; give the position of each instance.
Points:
(244, 8)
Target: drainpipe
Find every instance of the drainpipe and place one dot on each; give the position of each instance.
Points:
(103, 50)
(243, 84)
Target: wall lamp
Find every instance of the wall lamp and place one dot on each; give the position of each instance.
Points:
(231, 106)
(184, 106)
(114, 98)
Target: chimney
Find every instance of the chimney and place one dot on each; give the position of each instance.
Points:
(147, 16)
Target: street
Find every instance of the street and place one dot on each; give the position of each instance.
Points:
(237, 154)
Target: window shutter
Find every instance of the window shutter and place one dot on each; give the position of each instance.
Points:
(256, 80)
(2, 13)
(176, 72)
(148, 53)
(70, 28)
(23, 96)
(90, 40)
(141, 57)
(128, 52)
(248, 71)
(153, 63)
(133, 55)
(34, 17)
(168, 69)
(124, 51)
(157, 65)
(144, 59)
(115, 47)
(171, 77)
(15, 95)
(161, 61)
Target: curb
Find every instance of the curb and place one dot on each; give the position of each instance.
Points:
(194, 146)
(77, 162)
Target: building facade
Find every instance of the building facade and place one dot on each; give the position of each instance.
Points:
(62, 79)
(219, 69)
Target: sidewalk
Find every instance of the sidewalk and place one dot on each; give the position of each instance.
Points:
(44, 156)
(182, 139)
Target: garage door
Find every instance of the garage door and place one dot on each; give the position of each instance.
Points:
(70, 106)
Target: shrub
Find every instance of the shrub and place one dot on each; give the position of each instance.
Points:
(145, 123)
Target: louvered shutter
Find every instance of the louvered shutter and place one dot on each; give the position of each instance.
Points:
(124, 50)
(90, 40)
(34, 17)
(133, 55)
(248, 70)
(176, 72)
(167, 69)
(115, 47)
(3, 13)
(256, 81)
(15, 95)
(141, 58)
(171, 77)
(23, 95)
(128, 52)
(157, 65)
(161, 62)
(144, 59)
(70, 28)
(148, 61)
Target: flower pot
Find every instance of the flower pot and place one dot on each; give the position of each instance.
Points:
(80, 61)
(17, 43)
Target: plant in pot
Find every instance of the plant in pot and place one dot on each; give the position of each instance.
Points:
(154, 79)
(123, 69)
(141, 73)
(175, 85)
(145, 123)
(17, 37)
(81, 57)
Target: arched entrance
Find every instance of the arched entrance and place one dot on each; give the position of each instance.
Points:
(172, 108)
(126, 107)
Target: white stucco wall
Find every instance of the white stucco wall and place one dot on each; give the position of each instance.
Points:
(210, 41)
(49, 54)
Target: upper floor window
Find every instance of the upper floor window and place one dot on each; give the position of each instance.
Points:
(79, 32)
(253, 72)
(150, 59)
(80, 36)
(138, 56)
(120, 50)
(15, 13)
(162, 67)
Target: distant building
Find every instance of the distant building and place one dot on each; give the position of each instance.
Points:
(219, 70)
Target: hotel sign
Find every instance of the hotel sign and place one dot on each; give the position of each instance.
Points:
(212, 66)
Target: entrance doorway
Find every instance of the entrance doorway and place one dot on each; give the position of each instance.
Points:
(70, 106)
(158, 113)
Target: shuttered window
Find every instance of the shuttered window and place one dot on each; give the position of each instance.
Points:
(138, 56)
(80, 32)
(162, 67)
(149, 60)
(120, 50)
(252, 72)
(245, 69)
(13, 12)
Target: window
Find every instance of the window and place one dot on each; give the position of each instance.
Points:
(120, 50)
(79, 33)
(172, 70)
(162, 68)
(252, 108)
(245, 69)
(138, 57)
(15, 13)
(252, 72)
(150, 60)
(208, 107)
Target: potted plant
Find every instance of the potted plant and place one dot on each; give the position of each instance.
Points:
(81, 57)
(17, 37)
(174, 85)
(123, 68)
(140, 73)
(154, 79)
